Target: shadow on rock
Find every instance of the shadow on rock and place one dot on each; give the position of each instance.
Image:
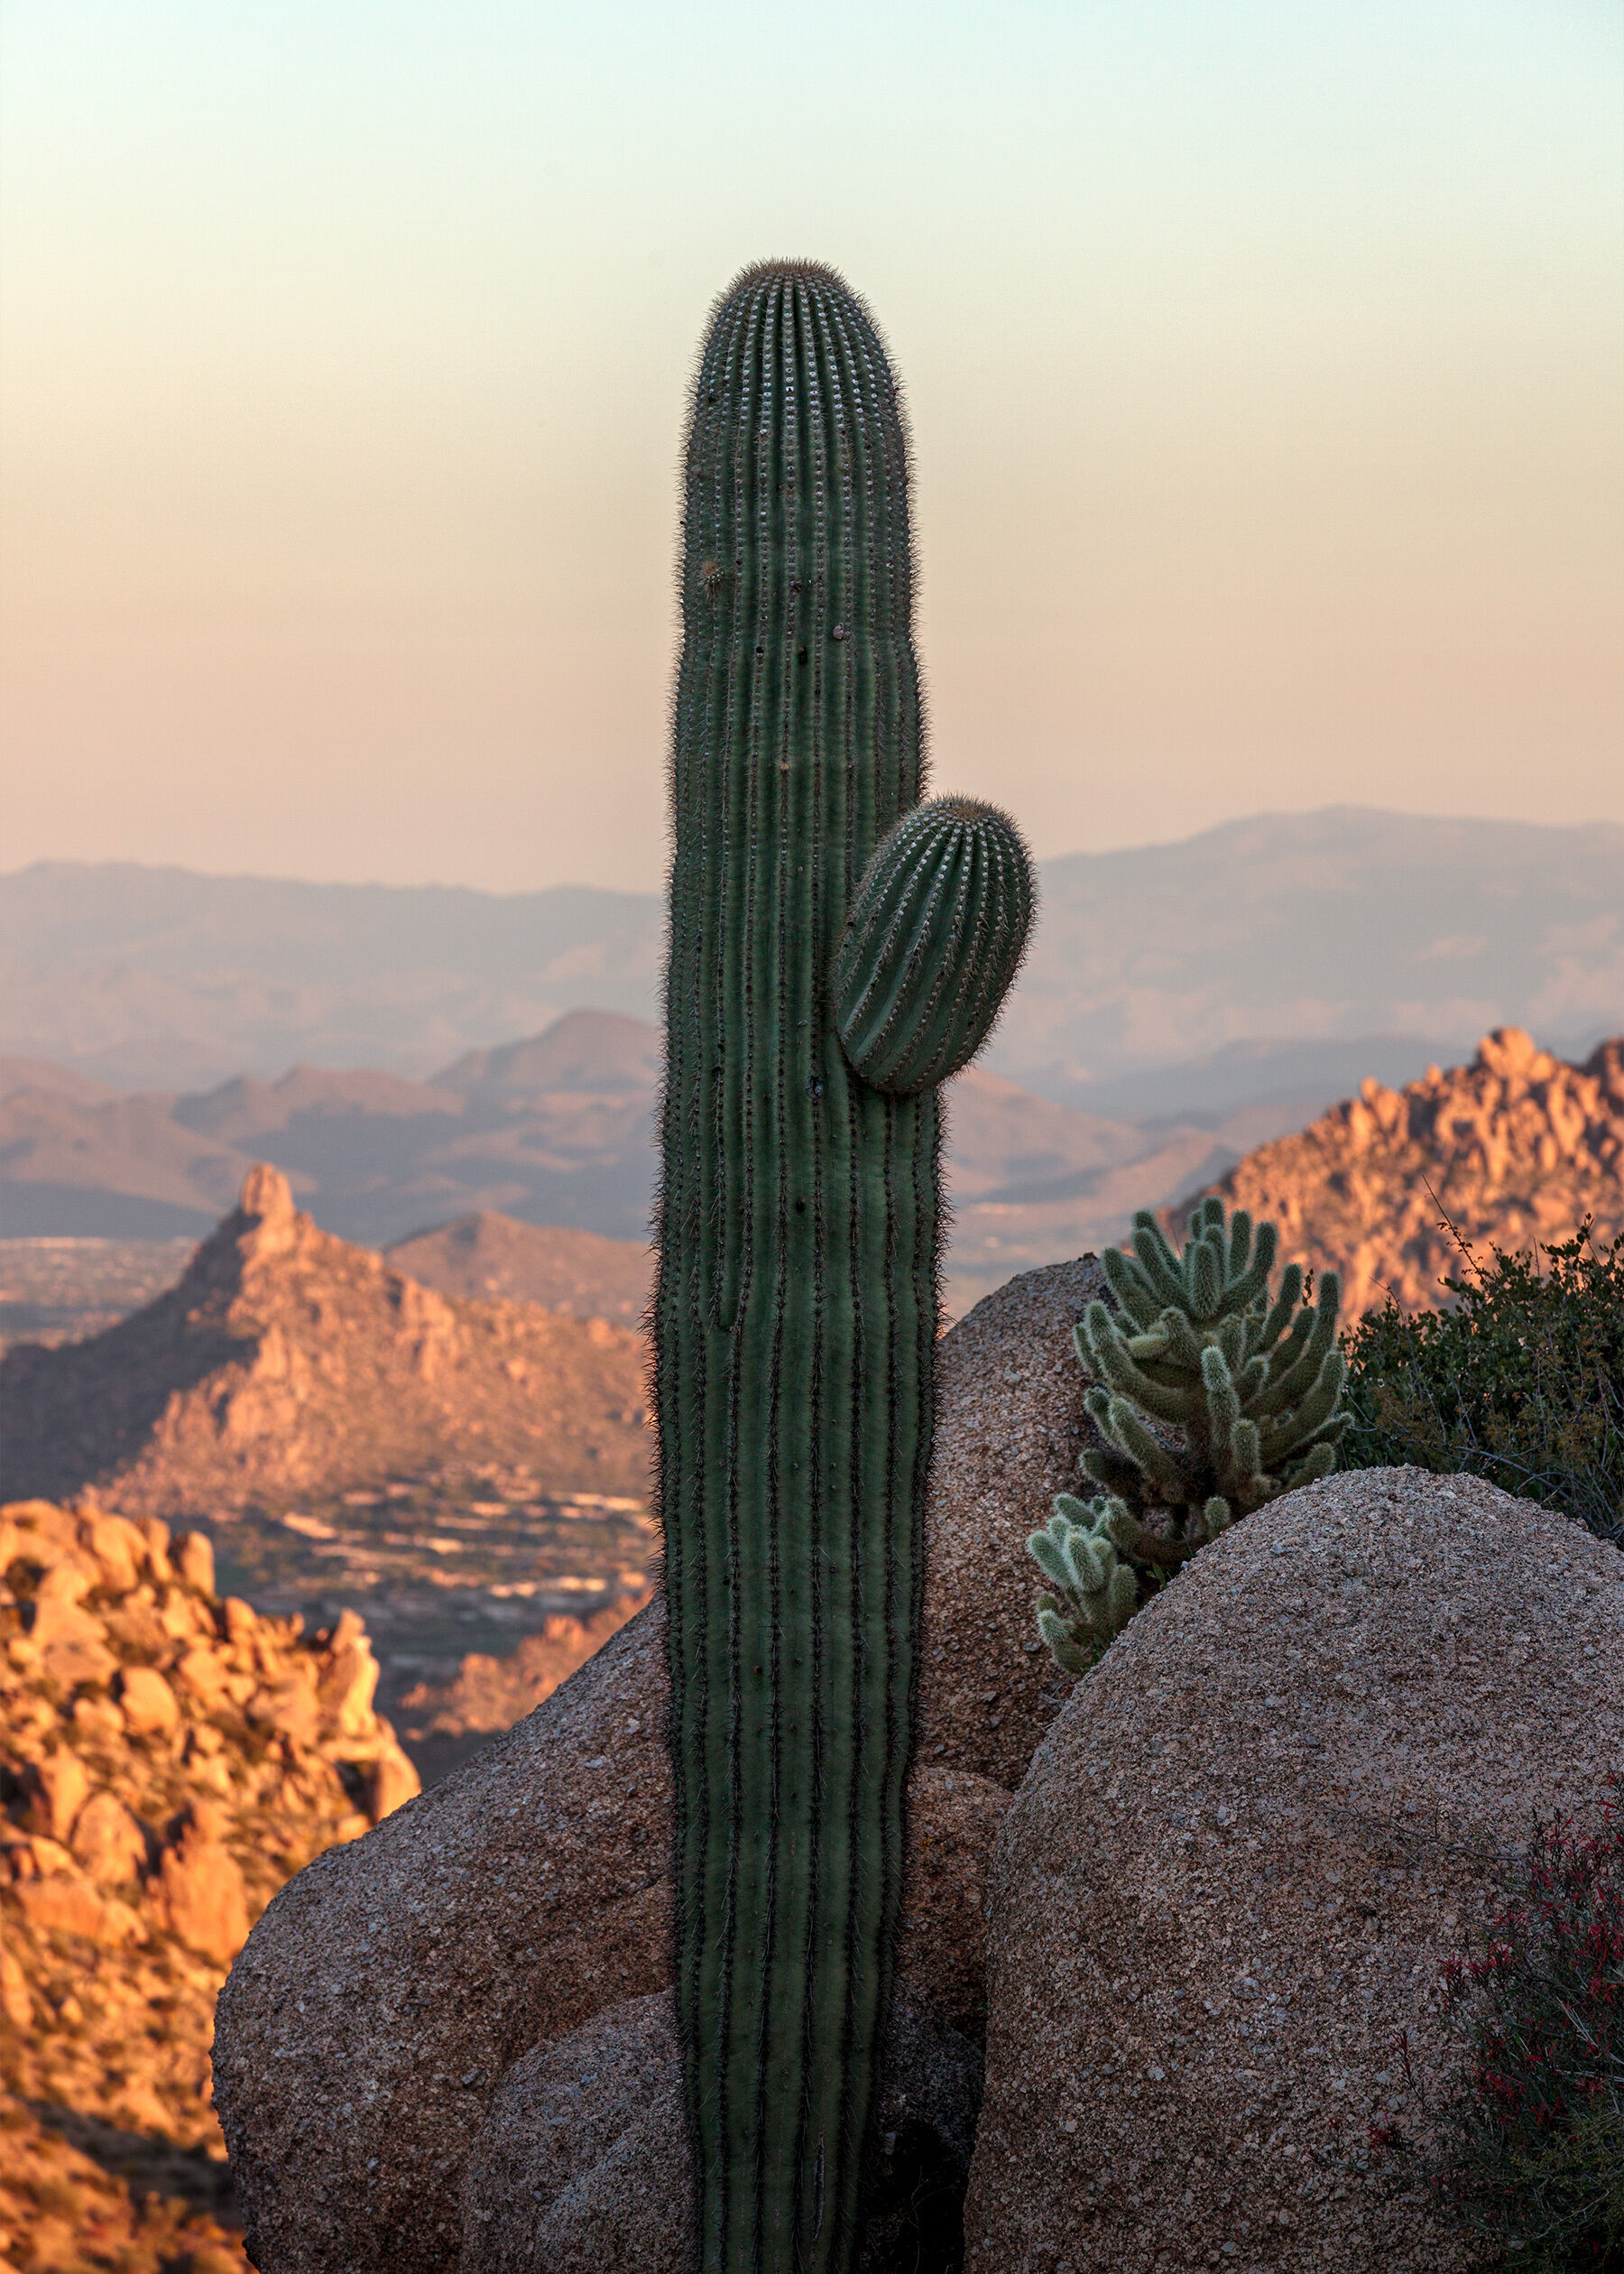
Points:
(583, 2165)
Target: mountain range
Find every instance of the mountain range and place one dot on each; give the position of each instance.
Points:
(1288, 952)
(554, 1131)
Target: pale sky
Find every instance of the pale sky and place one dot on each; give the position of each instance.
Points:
(1265, 358)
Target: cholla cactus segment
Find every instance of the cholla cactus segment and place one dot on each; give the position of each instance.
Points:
(1095, 1591)
(1207, 1392)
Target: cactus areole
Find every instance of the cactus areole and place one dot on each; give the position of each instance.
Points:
(796, 1308)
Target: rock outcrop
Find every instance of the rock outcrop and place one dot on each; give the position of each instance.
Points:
(287, 1361)
(368, 2023)
(1241, 1857)
(1009, 1427)
(488, 1694)
(166, 1760)
(367, 2027)
(1518, 1148)
(582, 2166)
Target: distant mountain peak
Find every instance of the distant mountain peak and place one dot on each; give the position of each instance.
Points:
(267, 1196)
(287, 1361)
(590, 1050)
(1515, 1150)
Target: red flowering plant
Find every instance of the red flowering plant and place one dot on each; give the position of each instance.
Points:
(1536, 2157)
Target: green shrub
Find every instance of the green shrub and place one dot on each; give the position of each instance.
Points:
(1520, 1381)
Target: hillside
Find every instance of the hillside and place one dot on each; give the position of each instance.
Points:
(160, 978)
(492, 1256)
(287, 1361)
(167, 1760)
(1518, 1148)
(1284, 930)
(555, 1128)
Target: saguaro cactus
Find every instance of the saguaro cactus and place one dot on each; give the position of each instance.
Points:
(796, 1309)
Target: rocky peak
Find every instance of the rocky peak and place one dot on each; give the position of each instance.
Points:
(287, 1360)
(267, 1206)
(1518, 1148)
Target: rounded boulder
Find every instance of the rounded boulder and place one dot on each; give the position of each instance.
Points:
(1219, 1904)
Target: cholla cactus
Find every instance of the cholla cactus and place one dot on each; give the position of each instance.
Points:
(1253, 1386)
(1247, 1394)
(1095, 1591)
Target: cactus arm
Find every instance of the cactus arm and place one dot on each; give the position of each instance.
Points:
(1112, 1362)
(1251, 1379)
(1206, 1280)
(1319, 1460)
(1284, 1309)
(1288, 1387)
(1183, 1343)
(1066, 1655)
(1253, 1281)
(1049, 1556)
(1161, 1468)
(1289, 1348)
(1246, 1463)
(936, 931)
(1157, 1263)
(1112, 1471)
(1223, 1406)
(1240, 1245)
(1309, 1414)
(1132, 1287)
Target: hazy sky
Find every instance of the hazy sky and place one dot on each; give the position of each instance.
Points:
(1265, 364)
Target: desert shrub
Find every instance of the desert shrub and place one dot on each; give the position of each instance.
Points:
(1534, 2153)
(1520, 1380)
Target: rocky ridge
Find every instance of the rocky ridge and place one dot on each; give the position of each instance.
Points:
(1518, 1148)
(562, 1269)
(287, 1360)
(167, 1760)
(487, 1693)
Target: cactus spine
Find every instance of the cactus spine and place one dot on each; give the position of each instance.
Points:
(796, 1309)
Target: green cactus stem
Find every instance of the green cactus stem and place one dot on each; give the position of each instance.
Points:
(795, 1314)
(1096, 1590)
